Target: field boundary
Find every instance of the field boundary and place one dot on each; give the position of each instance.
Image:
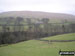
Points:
(58, 40)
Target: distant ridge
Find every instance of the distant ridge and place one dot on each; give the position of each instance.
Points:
(37, 14)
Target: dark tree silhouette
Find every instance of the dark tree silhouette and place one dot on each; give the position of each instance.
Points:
(18, 25)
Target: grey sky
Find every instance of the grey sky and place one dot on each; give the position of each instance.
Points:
(57, 6)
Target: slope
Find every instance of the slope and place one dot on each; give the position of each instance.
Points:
(70, 36)
(37, 48)
(39, 15)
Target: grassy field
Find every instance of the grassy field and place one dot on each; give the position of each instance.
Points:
(39, 48)
(70, 36)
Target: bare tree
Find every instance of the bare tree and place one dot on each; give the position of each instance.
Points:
(18, 25)
(45, 23)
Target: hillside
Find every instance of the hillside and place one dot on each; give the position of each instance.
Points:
(62, 37)
(38, 15)
(38, 48)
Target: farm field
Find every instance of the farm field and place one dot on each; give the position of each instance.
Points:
(39, 48)
(69, 36)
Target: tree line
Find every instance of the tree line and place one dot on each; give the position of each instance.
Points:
(13, 30)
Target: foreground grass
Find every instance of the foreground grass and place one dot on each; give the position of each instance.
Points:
(36, 48)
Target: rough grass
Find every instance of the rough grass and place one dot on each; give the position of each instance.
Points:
(38, 48)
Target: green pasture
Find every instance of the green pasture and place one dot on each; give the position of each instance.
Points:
(70, 36)
(39, 48)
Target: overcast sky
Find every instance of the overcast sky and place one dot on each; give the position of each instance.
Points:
(57, 6)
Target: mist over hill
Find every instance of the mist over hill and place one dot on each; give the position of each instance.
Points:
(38, 15)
